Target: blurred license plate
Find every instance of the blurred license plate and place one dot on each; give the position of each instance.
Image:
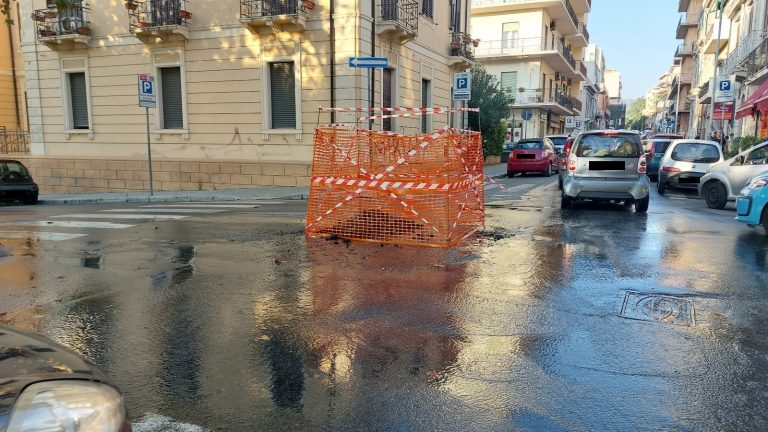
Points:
(606, 165)
(526, 156)
(689, 180)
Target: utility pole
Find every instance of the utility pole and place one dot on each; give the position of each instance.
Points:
(677, 103)
(717, 65)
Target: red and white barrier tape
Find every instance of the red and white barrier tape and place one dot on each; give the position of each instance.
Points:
(390, 109)
(391, 185)
(415, 113)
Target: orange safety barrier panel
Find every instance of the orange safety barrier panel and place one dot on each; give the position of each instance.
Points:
(424, 190)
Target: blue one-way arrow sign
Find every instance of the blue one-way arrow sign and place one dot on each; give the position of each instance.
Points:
(368, 62)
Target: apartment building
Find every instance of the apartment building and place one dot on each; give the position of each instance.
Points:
(239, 83)
(657, 103)
(597, 116)
(536, 50)
(617, 110)
(681, 95)
(13, 116)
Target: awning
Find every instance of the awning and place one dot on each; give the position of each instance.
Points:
(758, 99)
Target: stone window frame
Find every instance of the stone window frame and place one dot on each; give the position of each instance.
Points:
(66, 97)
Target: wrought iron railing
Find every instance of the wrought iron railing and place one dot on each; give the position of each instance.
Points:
(685, 49)
(404, 13)
(536, 96)
(157, 13)
(55, 22)
(462, 45)
(582, 68)
(744, 48)
(256, 9)
(517, 46)
(571, 13)
(757, 60)
(14, 142)
(583, 30)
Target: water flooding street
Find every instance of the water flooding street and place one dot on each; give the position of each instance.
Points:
(596, 318)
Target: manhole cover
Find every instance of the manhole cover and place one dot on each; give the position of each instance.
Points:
(657, 307)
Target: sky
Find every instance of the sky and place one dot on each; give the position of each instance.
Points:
(637, 38)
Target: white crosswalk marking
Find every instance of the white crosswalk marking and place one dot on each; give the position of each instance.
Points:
(41, 235)
(152, 422)
(164, 210)
(121, 216)
(188, 205)
(71, 224)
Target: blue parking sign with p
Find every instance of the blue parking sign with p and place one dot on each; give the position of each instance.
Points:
(462, 86)
(725, 85)
(147, 97)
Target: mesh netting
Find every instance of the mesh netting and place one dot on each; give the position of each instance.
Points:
(424, 190)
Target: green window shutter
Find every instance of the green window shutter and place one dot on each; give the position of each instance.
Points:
(509, 83)
(283, 97)
(78, 96)
(386, 97)
(170, 87)
(425, 102)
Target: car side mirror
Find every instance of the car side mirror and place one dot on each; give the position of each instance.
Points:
(738, 161)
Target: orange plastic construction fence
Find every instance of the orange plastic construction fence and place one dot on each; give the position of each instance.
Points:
(424, 190)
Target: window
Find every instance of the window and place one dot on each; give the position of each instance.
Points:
(171, 98)
(455, 15)
(283, 95)
(509, 83)
(758, 156)
(78, 99)
(510, 33)
(426, 94)
(386, 93)
(428, 8)
(609, 146)
(695, 153)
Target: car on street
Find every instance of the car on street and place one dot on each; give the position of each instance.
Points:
(45, 386)
(723, 181)
(16, 183)
(533, 155)
(657, 148)
(564, 161)
(607, 165)
(558, 141)
(506, 149)
(685, 162)
(752, 203)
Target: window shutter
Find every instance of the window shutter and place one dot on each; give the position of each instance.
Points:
(78, 96)
(428, 8)
(282, 82)
(170, 86)
(386, 101)
(424, 103)
(509, 83)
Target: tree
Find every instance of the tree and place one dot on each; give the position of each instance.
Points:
(5, 8)
(494, 106)
(635, 117)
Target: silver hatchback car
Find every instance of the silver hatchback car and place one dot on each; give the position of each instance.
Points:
(723, 181)
(685, 162)
(607, 165)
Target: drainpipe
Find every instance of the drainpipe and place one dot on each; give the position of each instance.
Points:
(15, 79)
(372, 71)
(332, 11)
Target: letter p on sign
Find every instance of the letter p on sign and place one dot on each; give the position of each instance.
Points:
(725, 85)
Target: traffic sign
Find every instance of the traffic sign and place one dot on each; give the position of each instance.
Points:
(724, 90)
(570, 122)
(462, 86)
(147, 96)
(526, 115)
(368, 62)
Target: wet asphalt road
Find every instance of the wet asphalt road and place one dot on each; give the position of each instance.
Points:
(547, 321)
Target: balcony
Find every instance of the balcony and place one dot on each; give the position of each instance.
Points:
(153, 20)
(756, 63)
(560, 11)
(13, 142)
(685, 50)
(271, 16)
(398, 19)
(683, 5)
(712, 39)
(60, 29)
(581, 69)
(582, 36)
(551, 50)
(687, 20)
(552, 101)
(461, 51)
(744, 48)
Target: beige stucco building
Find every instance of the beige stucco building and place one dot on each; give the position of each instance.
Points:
(239, 84)
(12, 106)
(536, 50)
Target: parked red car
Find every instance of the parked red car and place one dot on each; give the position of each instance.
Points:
(533, 155)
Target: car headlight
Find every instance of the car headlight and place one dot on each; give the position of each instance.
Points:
(758, 183)
(68, 406)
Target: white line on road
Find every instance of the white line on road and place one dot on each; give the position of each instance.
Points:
(71, 224)
(186, 205)
(165, 210)
(159, 423)
(43, 235)
(121, 216)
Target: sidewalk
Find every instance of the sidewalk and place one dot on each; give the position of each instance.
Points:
(255, 193)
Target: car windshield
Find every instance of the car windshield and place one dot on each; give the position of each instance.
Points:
(609, 146)
(559, 141)
(660, 146)
(696, 153)
(529, 145)
(7, 168)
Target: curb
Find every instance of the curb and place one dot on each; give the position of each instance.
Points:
(161, 199)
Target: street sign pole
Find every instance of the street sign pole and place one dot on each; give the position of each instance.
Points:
(147, 100)
(149, 153)
(369, 63)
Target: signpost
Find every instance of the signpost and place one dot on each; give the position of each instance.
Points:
(147, 100)
(462, 86)
(369, 63)
(526, 115)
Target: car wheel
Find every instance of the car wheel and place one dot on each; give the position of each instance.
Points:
(765, 219)
(30, 199)
(548, 172)
(510, 174)
(559, 182)
(715, 195)
(641, 205)
(661, 187)
(566, 202)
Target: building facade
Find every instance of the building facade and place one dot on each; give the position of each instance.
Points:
(239, 84)
(536, 50)
(595, 88)
(681, 96)
(12, 100)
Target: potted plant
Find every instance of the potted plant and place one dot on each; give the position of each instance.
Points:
(143, 24)
(83, 30)
(47, 32)
(309, 4)
(521, 89)
(131, 5)
(183, 14)
(50, 14)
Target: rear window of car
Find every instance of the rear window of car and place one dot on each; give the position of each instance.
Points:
(529, 145)
(12, 168)
(559, 141)
(660, 146)
(695, 152)
(609, 146)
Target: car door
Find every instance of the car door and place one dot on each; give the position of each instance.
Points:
(754, 163)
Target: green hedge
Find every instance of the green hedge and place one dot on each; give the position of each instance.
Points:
(739, 144)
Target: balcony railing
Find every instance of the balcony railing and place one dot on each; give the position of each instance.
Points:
(401, 15)
(462, 45)
(257, 9)
(757, 61)
(52, 23)
(529, 96)
(583, 30)
(581, 68)
(688, 19)
(571, 13)
(14, 142)
(152, 14)
(520, 46)
(684, 50)
(745, 47)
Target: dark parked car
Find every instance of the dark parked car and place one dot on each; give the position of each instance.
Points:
(558, 141)
(655, 153)
(47, 387)
(16, 183)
